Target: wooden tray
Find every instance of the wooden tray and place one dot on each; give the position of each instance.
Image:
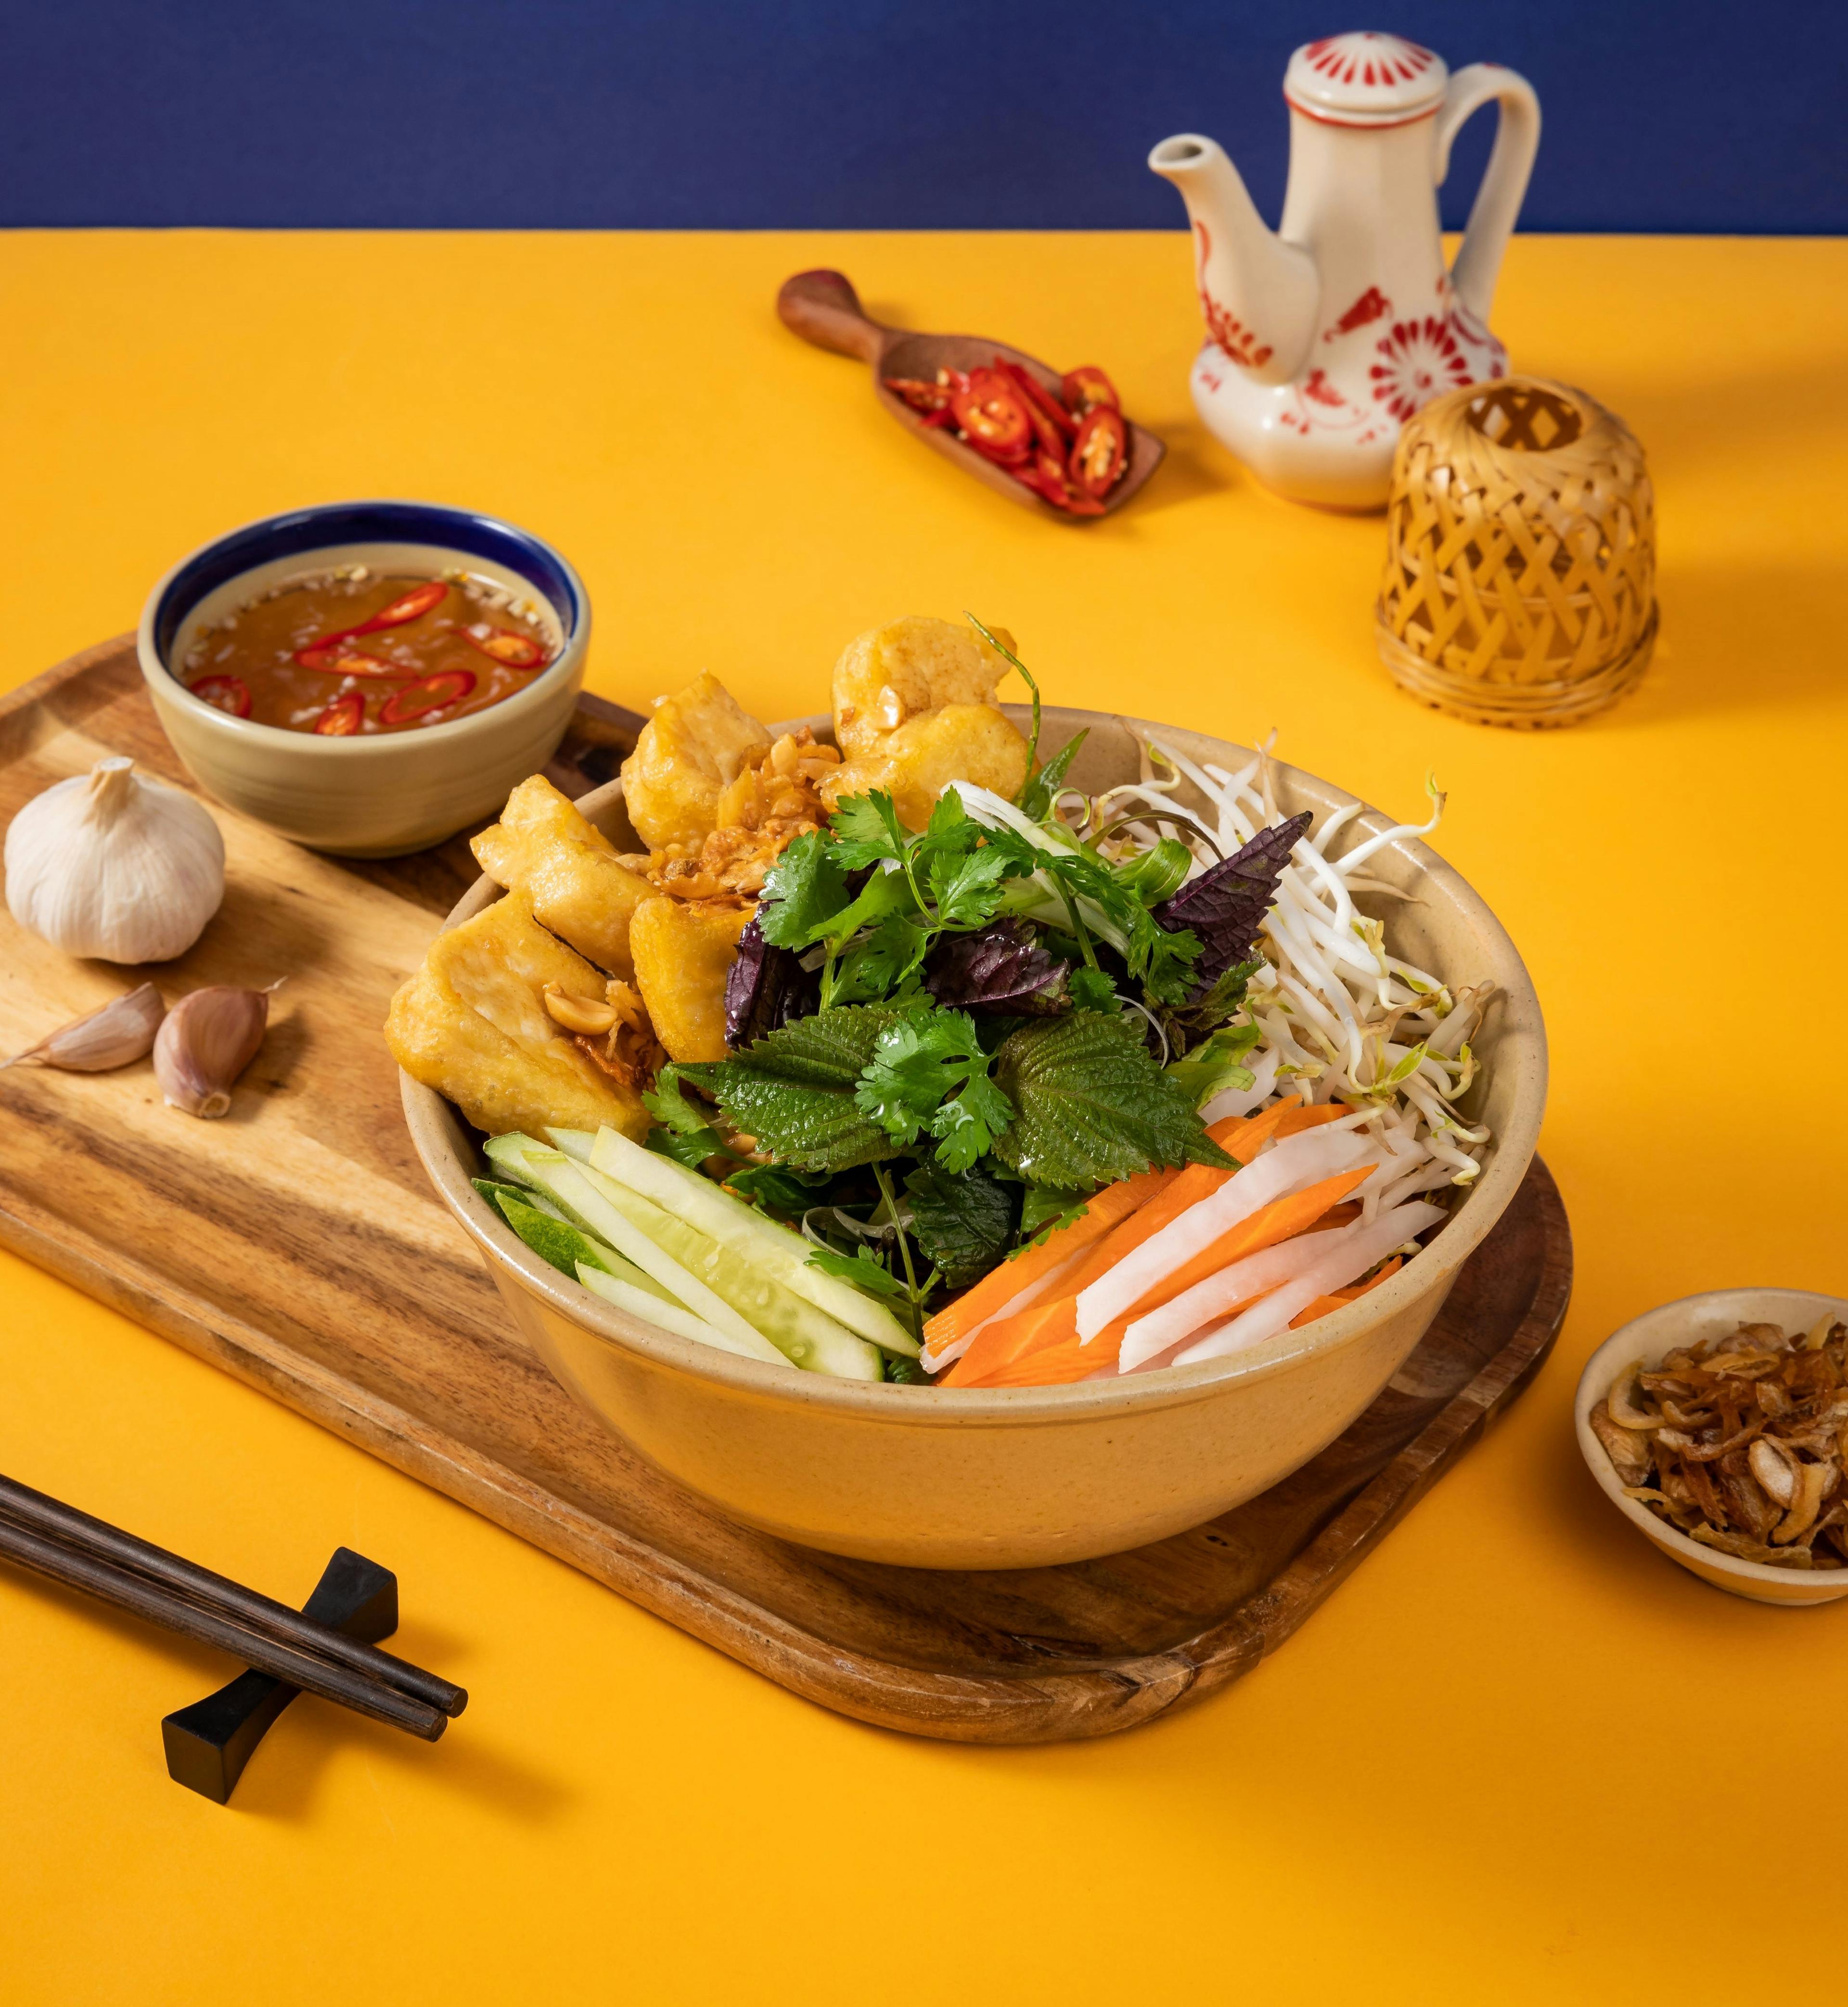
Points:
(297, 1244)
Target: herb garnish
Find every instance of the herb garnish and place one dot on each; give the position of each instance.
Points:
(982, 997)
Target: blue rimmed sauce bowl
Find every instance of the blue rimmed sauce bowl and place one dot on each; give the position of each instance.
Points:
(377, 795)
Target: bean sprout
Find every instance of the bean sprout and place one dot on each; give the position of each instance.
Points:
(1339, 1017)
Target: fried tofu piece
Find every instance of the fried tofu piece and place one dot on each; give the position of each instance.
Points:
(918, 663)
(472, 1024)
(961, 741)
(570, 871)
(689, 753)
(684, 951)
(914, 709)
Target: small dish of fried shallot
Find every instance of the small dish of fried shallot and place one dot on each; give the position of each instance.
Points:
(1718, 1426)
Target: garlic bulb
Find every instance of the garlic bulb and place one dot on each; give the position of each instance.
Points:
(112, 864)
(118, 1034)
(208, 1039)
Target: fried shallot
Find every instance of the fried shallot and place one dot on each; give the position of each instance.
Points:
(1740, 1444)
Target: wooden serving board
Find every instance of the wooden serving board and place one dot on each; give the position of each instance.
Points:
(297, 1244)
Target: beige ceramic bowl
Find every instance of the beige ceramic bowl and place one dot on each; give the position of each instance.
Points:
(373, 796)
(1714, 1313)
(1020, 1477)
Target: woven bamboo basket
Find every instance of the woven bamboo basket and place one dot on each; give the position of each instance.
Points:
(1520, 580)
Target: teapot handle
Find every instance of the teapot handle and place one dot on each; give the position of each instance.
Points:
(1498, 200)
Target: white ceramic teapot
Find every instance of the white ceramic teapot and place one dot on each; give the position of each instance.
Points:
(1322, 338)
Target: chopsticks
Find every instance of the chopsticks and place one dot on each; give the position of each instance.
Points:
(117, 1568)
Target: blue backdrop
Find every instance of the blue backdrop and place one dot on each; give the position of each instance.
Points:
(1694, 115)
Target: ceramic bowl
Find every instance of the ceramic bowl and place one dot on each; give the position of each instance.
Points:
(370, 796)
(1022, 1477)
(1714, 1313)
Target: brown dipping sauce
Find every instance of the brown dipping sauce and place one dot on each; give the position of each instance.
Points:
(354, 651)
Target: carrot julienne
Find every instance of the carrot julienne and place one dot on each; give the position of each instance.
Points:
(1052, 1352)
(1007, 1280)
(998, 1342)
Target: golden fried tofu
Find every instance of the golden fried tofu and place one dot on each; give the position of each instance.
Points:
(684, 950)
(473, 1023)
(961, 741)
(578, 887)
(914, 709)
(689, 752)
(918, 663)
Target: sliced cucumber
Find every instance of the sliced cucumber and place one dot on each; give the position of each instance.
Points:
(554, 1240)
(779, 1252)
(650, 1309)
(545, 1229)
(807, 1336)
(588, 1205)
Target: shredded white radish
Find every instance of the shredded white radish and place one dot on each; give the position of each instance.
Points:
(1281, 1168)
(1360, 1246)
(1338, 1018)
(1238, 1283)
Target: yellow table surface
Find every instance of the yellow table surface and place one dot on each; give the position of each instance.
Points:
(1481, 1773)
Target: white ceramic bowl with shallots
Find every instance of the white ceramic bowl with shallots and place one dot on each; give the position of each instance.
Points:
(1023, 1477)
(1714, 1313)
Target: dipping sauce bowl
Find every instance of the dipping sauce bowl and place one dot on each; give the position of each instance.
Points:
(378, 794)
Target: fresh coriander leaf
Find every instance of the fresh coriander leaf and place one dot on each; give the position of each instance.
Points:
(861, 1269)
(669, 1107)
(801, 891)
(1051, 1206)
(1092, 1105)
(1226, 907)
(1093, 990)
(1037, 795)
(774, 1187)
(951, 827)
(867, 830)
(1159, 959)
(961, 1223)
(903, 1372)
(794, 1089)
(999, 967)
(930, 1073)
(966, 1128)
(884, 893)
(883, 961)
(968, 890)
(1214, 1065)
(909, 1075)
(691, 1147)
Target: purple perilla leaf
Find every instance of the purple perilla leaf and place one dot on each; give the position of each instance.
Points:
(999, 967)
(767, 988)
(1224, 907)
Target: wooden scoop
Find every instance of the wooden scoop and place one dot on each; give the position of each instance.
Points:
(822, 307)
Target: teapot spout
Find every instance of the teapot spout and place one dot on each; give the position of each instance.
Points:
(1260, 294)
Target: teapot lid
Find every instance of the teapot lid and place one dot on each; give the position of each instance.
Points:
(1364, 79)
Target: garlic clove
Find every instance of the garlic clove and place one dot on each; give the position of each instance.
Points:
(122, 1031)
(208, 1038)
(115, 865)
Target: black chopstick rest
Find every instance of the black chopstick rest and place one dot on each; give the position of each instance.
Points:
(120, 1568)
(209, 1744)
